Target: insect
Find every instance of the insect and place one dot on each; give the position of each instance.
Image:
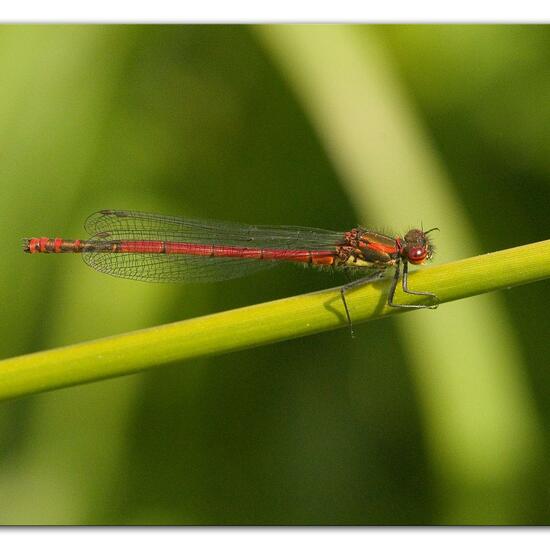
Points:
(158, 248)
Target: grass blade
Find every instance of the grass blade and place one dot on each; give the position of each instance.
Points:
(263, 323)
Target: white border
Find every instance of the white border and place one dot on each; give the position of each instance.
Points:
(275, 539)
(261, 11)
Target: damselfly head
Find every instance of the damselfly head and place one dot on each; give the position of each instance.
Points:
(417, 246)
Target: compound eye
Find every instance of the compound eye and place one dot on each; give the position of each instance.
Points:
(417, 254)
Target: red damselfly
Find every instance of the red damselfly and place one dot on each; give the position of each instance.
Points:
(157, 248)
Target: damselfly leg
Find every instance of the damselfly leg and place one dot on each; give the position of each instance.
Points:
(353, 284)
(404, 284)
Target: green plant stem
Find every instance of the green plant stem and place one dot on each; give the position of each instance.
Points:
(263, 323)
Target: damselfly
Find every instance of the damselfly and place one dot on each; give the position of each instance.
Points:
(157, 248)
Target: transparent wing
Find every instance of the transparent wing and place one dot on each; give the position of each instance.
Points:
(129, 225)
(162, 268)
(120, 225)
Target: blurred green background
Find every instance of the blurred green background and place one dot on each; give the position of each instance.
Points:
(435, 417)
